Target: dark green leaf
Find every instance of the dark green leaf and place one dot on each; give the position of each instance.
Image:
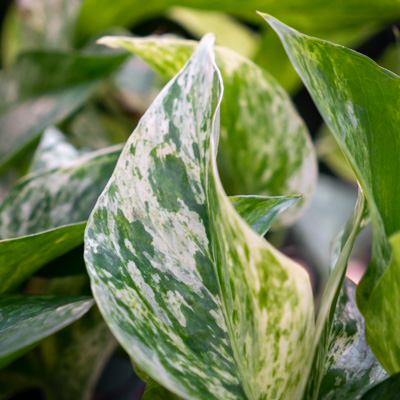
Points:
(386, 390)
(25, 320)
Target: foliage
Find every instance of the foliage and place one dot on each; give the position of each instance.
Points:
(178, 221)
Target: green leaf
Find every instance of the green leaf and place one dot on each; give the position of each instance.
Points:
(264, 147)
(344, 243)
(34, 97)
(386, 390)
(21, 257)
(154, 391)
(204, 305)
(54, 150)
(75, 358)
(261, 211)
(229, 32)
(97, 15)
(359, 101)
(55, 197)
(351, 368)
(27, 319)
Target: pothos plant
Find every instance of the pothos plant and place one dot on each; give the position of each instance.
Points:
(174, 248)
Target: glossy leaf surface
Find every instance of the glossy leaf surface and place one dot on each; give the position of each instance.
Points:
(54, 197)
(359, 101)
(264, 146)
(26, 320)
(203, 305)
(21, 257)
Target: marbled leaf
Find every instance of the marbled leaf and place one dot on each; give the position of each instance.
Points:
(54, 150)
(264, 145)
(25, 320)
(316, 364)
(204, 305)
(359, 101)
(40, 219)
(351, 367)
(54, 197)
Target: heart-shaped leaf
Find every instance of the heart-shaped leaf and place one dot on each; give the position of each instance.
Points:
(264, 146)
(359, 101)
(203, 304)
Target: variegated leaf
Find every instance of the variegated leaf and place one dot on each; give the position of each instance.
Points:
(202, 303)
(54, 150)
(25, 320)
(359, 101)
(351, 367)
(316, 364)
(264, 147)
(55, 197)
(40, 218)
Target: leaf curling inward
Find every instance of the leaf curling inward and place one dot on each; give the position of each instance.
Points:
(177, 273)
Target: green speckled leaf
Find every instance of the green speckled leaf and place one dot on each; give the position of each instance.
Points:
(25, 320)
(54, 150)
(204, 305)
(326, 313)
(360, 101)
(264, 146)
(260, 211)
(33, 96)
(21, 257)
(54, 197)
(40, 219)
(386, 390)
(351, 367)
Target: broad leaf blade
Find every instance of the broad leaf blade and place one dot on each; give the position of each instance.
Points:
(264, 146)
(55, 197)
(185, 285)
(26, 320)
(21, 257)
(359, 101)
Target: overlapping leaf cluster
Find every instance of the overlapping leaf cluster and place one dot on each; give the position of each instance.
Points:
(174, 218)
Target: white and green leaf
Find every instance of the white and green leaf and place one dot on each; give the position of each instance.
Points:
(359, 101)
(264, 146)
(203, 304)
